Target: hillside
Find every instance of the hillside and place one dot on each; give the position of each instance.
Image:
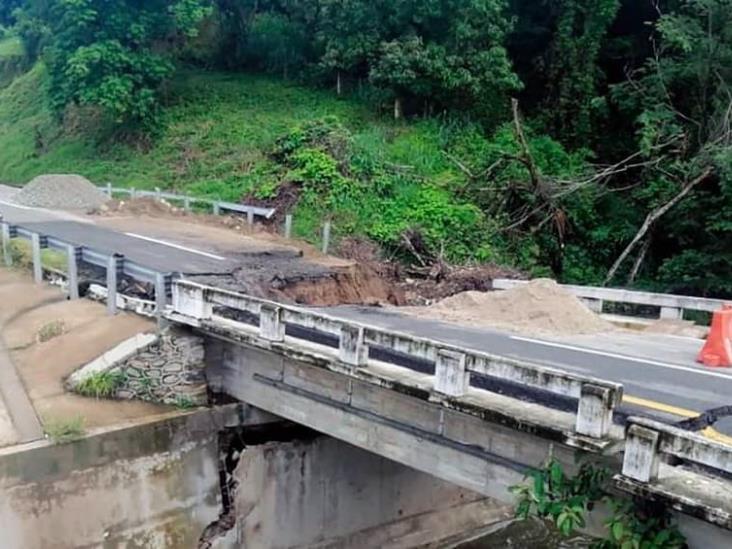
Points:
(221, 137)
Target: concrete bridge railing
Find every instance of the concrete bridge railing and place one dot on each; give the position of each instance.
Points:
(453, 366)
(671, 306)
(681, 468)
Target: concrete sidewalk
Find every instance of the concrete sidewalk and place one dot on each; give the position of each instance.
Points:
(23, 416)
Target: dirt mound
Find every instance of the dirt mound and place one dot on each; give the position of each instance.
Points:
(541, 306)
(61, 191)
(683, 328)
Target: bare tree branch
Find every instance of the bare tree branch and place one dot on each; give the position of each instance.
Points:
(651, 219)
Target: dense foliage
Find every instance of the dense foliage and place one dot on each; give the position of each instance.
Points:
(588, 139)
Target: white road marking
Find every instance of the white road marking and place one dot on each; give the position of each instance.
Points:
(17, 205)
(587, 350)
(177, 246)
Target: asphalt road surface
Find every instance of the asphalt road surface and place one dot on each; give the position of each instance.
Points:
(659, 373)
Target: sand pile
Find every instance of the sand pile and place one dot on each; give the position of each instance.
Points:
(64, 192)
(541, 307)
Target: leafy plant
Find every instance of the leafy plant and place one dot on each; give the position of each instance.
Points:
(51, 330)
(62, 431)
(565, 500)
(102, 384)
(184, 402)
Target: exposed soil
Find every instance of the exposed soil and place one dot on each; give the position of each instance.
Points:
(418, 288)
(541, 306)
(87, 333)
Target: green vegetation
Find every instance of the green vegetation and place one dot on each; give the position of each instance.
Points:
(101, 384)
(62, 431)
(51, 330)
(566, 500)
(588, 140)
(22, 256)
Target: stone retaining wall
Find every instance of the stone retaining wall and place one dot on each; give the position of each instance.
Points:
(170, 370)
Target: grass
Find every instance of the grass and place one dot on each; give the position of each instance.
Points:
(22, 256)
(10, 47)
(62, 431)
(51, 330)
(101, 384)
(216, 133)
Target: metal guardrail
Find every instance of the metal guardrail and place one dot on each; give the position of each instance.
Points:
(114, 264)
(217, 206)
(671, 306)
(200, 305)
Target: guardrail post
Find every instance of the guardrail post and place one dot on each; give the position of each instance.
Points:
(352, 349)
(187, 203)
(113, 265)
(250, 218)
(674, 313)
(133, 192)
(271, 326)
(37, 264)
(216, 208)
(158, 194)
(109, 190)
(161, 293)
(451, 376)
(72, 270)
(288, 226)
(641, 459)
(595, 411)
(326, 237)
(7, 255)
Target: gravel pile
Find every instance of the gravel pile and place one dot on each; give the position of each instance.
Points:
(64, 192)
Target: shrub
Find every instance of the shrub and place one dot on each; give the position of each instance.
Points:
(101, 384)
(51, 330)
(62, 431)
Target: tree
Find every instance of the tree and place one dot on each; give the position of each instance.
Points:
(115, 55)
(683, 96)
(573, 69)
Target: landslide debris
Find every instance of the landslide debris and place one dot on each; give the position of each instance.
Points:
(541, 306)
(61, 191)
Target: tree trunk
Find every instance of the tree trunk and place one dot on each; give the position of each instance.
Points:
(339, 87)
(397, 108)
(639, 261)
(651, 219)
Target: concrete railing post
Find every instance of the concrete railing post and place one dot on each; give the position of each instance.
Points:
(673, 313)
(288, 226)
(271, 326)
(451, 376)
(595, 411)
(187, 203)
(113, 265)
(37, 261)
(158, 194)
(250, 218)
(109, 190)
(594, 305)
(641, 459)
(326, 237)
(133, 192)
(7, 254)
(72, 270)
(352, 349)
(191, 301)
(216, 208)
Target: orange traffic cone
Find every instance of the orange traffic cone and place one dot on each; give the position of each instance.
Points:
(717, 350)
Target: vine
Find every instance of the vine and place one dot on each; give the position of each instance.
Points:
(565, 501)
